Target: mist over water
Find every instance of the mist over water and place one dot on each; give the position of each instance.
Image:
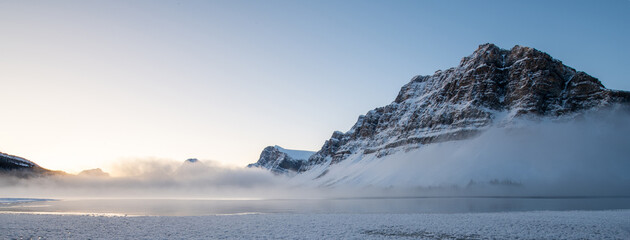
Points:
(151, 178)
(589, 156)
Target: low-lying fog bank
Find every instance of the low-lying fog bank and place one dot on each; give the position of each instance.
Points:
(589, 156)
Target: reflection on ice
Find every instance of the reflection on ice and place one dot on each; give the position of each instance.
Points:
(190, 207)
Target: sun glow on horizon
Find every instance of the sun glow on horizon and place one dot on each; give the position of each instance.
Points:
(88, 84)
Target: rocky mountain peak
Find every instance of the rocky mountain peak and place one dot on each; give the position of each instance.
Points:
(491, 86)
(460, 102)
(522, 80)
(279, 160)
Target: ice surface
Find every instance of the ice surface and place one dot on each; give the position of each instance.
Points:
(21, 200)
(506, 225)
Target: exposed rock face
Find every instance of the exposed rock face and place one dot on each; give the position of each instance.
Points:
(491, 86)
(280, 160)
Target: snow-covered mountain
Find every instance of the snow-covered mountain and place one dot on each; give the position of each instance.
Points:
(21, 167)
(492, 87)
(280, 160)
(10, 162)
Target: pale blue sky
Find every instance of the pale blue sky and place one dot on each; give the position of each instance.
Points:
(88, 83)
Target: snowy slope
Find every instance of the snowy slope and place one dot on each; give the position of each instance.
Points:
(299, 155)
(583, 158)
(8, 162)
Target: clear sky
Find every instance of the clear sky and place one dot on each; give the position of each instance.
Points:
(85, 84)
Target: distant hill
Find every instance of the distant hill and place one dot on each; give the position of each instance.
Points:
(11, 165)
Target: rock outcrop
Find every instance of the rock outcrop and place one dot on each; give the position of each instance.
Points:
(279, 160)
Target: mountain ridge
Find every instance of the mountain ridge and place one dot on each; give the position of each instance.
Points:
(491, 86)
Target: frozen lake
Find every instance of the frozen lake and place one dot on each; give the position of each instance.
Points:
(196, 207)
(612, 224)
(358, 218)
